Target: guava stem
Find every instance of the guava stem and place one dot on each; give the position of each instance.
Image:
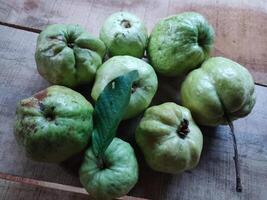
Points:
(236, 159)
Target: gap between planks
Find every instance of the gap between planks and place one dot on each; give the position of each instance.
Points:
(54, 186)
(24, 28)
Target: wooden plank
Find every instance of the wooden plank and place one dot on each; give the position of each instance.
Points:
(15, 191)
(50, 185)
(240, 25)
(213, 178)
(42, 184)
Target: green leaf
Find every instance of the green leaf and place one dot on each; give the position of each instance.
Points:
(109, 110)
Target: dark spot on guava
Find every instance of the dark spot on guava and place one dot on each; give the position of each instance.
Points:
(183, 129)
(41, 95)
(28, 103)
(147, 87)
(126, 23)
(201, 40)
(53, 37)
(70, 45)
(70, 41)
(49, 117)
(134, 88)
(48, 111)
(41, 106)
(57, 37)
(49, 114)
(116, 35)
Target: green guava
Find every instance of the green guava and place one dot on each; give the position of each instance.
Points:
(124, 34)
(180, 43)
(114, 176)
(169, 138)
(143, 89)
(68, 55)
(219, 89)
(53, 124)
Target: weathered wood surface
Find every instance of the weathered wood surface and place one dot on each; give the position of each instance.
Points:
(72, 192)
(214, 177)
(14, 191)
(240, 25)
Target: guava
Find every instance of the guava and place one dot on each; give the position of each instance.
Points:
(219, 89)
(124, 34)
(68, 55)
(53, 124)
(114, 176)
(169, 138)
(180, 43)
(143, 89)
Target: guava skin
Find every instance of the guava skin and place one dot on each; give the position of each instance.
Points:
(68, 55)
(220, 86)
(54, 124)
(143, 89)
(124, 34)
(180, 43)
(165, 146)
(118, 176)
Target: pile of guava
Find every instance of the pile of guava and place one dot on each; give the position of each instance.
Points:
(123, 66)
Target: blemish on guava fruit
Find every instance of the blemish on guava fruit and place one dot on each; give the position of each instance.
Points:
(57, 37)
(41, 106)
(49, 113)
(134, 88)
(183, 129)
(28, 102)
(41, 95)
(126, 23)
(49, 116)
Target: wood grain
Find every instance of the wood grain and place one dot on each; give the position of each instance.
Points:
(54, 186)
(15, 191)
(214, 178)
(240, 25)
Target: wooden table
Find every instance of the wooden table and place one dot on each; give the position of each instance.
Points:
(241, 28)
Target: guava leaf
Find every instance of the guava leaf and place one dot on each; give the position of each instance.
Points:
(109, 110)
